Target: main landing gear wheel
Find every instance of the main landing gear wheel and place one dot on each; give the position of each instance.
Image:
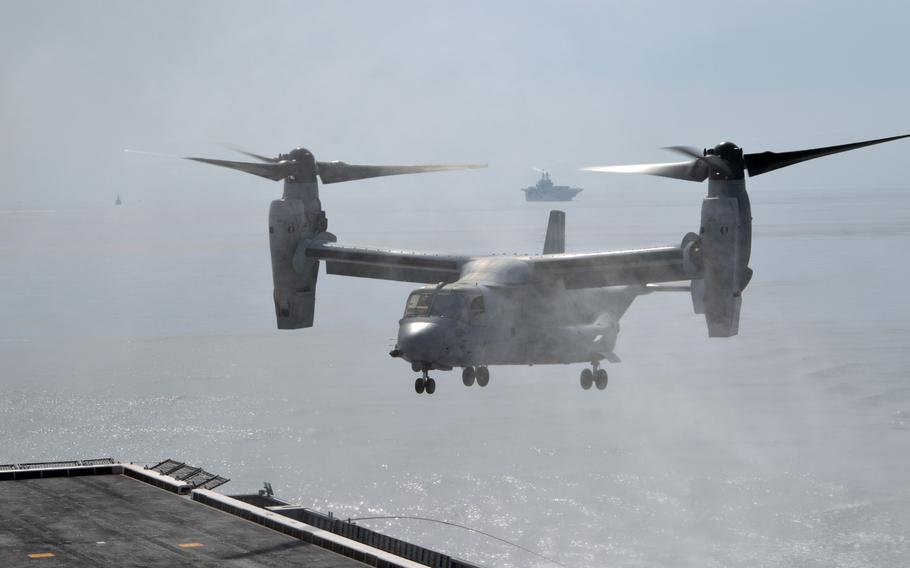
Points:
(468, 376)
(424, 384)
(601, 379)
(587, 379)
(483, 376)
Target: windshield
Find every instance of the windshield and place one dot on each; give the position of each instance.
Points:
(423, 303)
(448, 305)
(418, 304)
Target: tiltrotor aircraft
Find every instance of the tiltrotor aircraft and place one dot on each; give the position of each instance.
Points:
(556, 307)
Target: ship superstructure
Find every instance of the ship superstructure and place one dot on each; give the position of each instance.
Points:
(545, 190)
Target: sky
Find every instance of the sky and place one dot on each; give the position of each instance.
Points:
(557, 85)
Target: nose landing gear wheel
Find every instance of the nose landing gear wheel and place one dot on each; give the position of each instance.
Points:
(600, 379)
(420, 385)
(483, 376)
(468, 376)
(587, 379)
(431, 386)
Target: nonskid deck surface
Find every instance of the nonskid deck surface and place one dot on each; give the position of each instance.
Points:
(115, 520)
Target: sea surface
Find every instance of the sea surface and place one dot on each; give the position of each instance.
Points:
(145, 331)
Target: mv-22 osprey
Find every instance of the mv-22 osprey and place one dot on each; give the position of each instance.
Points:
(556, 307)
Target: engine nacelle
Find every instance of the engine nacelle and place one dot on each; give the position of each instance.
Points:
(294, 219)
(721, 297)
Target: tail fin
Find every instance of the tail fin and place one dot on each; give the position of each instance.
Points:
(555, 242)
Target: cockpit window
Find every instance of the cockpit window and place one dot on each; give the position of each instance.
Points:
(477, 309)
(445, 304)
(448, 305)
(418, 304)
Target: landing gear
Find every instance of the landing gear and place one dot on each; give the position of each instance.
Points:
(471, 374)
(483, 376)
(587, 379)
(601, 379)
(594, 376)
(425, 384)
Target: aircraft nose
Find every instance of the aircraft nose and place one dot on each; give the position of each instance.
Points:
(421, 341)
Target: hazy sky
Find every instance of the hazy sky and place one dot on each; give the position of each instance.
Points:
(557, 84)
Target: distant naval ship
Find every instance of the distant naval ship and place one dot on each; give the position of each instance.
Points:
(546, 191)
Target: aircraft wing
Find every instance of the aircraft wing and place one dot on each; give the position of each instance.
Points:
(594, 270)
(384, 264)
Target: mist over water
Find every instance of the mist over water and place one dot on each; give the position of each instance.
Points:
(147, 331)
(787, 445)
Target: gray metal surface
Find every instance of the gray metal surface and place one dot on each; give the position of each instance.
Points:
(113, 520)
(193, 476)
(364, 535)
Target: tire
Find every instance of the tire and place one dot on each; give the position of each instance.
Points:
(431, 386)
(419, 385)
(601, 379)
(586, 379)
(467, 376)
(483, 376)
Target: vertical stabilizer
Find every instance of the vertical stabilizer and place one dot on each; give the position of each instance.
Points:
(555, 243)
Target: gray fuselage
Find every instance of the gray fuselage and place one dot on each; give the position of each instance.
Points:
(492, 316)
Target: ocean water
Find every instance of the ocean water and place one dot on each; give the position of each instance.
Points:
(145, 331)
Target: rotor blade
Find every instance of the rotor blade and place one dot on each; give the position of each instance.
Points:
(538, 170)
(271, 171)
(714, 161)
(144, 153)
(694, 170)
(334, 172)
(686, 151)
(237, 148)
(760, 163)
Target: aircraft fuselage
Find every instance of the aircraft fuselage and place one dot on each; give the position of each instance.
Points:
(468, 323)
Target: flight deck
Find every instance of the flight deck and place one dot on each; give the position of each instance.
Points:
(104, 513)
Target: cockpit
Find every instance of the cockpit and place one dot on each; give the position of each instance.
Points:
(453, 304)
